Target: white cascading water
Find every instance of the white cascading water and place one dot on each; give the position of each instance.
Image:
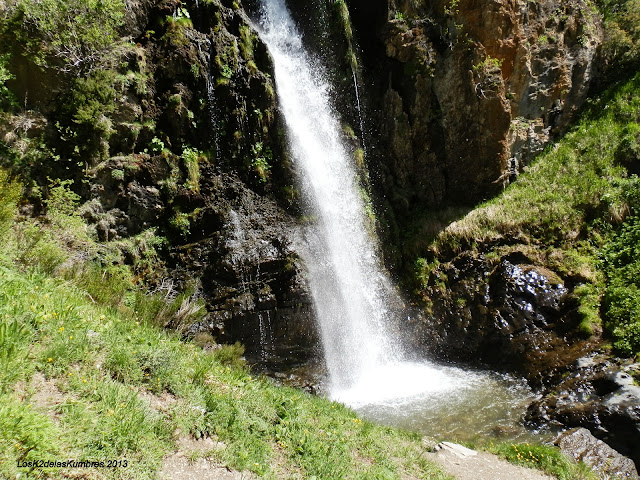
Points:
(351, 293)
(347, 286)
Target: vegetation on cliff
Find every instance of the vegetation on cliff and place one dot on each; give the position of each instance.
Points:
(88, 370)
(573, 211)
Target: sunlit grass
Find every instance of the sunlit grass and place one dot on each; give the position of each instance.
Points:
(105, 360)
(543, 457)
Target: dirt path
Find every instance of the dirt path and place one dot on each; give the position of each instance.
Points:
(180, 466)
(466, 464)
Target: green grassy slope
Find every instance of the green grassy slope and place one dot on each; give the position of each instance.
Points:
(88, 372)
(92, 376)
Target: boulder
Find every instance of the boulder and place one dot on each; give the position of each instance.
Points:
(597, 394)
(580, 445)
(509, 314)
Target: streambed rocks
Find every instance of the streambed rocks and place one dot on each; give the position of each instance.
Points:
(598, 394)
(579, 444)
(514, 315)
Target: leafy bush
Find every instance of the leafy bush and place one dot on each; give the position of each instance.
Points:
(621, 47)
(6, 97)
(622, 296)
(39, 248)
(84, 123)
(62, 200)
(75, 32)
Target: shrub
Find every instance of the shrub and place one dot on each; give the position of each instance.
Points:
(621, 255)
(84, 116)
(621, 46)
(38, 248)
(230, 355)
(61, 200)
(75, 32)
(7, 99)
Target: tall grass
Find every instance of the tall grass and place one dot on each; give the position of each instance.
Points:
(126, 387)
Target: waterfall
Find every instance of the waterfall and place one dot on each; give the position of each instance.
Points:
(359, 108)
(349, 289)
(367, 367)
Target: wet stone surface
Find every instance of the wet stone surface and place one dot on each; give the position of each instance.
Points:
(511, 315)
(599, 395)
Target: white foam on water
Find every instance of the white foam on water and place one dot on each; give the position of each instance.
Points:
(401, 382)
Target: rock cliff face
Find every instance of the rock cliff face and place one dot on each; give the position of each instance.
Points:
(238, 240)
(463, 95)
(466, 93)
(190, 143)
(455, 98)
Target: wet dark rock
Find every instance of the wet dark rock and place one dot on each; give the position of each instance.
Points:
(252, 277)
(599, 395)
(145, 206)
(136, 17)
(579, 444)
(204, 81)
(512, 315)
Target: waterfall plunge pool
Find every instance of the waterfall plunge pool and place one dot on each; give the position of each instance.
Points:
(441, 401)
(444, 402)
(351, 292)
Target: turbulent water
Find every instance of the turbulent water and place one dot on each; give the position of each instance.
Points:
(366, 363)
